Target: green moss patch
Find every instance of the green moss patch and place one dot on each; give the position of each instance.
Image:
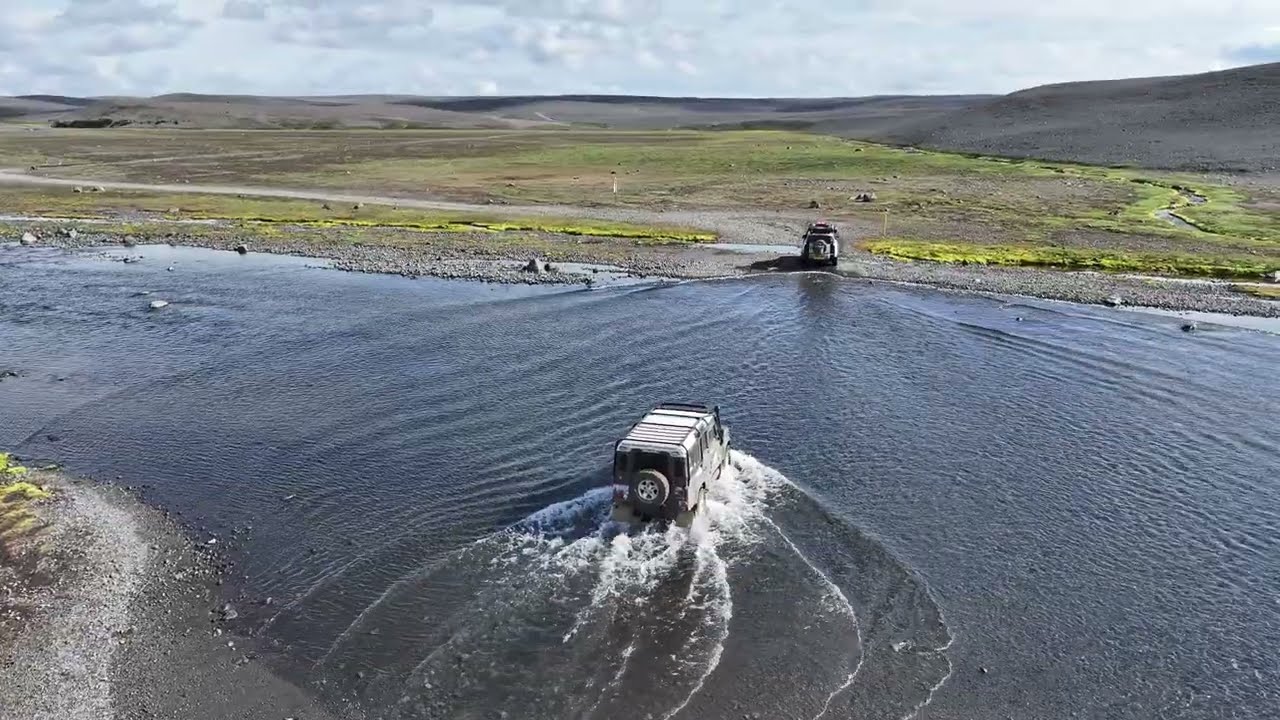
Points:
(1065, 258)
(16, 517)
(262, 212)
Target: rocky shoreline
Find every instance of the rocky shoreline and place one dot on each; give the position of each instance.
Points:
(109, 610)
(575, 261)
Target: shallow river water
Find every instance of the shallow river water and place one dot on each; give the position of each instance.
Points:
(942, 505)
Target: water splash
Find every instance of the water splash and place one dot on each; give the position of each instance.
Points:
(568, 614)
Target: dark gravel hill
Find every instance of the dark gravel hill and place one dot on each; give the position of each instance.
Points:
(1219, 121)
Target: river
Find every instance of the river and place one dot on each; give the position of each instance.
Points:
(943, 505)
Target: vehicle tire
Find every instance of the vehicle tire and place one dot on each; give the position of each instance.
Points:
(650, 489)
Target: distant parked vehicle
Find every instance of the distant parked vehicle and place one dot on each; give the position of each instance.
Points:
(664, 466)
(821, 244)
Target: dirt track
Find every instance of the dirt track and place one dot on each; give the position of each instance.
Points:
(765, 228)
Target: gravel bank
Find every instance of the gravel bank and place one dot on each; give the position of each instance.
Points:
(585, 261)
(109, 616)
(59, 665)
(1081, 287)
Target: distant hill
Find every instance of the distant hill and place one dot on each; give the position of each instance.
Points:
(656, 113)
(1218, 121)
(399, 111)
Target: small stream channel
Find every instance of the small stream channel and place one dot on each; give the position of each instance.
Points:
(1167, 214)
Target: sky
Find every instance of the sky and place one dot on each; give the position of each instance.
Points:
(727, 48)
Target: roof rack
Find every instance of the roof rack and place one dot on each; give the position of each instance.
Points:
(699, 407)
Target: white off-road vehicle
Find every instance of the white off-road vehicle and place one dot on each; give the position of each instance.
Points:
(820, 244)
(663, 468)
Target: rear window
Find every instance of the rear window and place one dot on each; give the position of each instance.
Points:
(648, 460)
(672, 466)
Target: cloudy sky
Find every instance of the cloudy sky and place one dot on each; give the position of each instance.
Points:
(660, 47)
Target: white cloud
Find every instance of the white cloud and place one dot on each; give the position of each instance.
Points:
(244, 10)
(669, 47)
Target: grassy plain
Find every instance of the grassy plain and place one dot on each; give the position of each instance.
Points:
(928, 205)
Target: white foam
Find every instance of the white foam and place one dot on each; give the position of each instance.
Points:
(570, 552)
(719, 616)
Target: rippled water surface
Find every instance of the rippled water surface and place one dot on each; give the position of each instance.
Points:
(941, 505)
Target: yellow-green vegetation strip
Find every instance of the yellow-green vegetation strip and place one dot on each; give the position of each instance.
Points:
(16, 518)
(463, 225)
(252, 210)
(1266, 292)
(1065, 258)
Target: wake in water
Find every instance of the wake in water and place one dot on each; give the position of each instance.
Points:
(569, 615)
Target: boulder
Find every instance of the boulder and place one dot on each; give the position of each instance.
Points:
(533, 266)
(325, 206)
(1274, 276)
(865, 197)
(98, 188)
(77, 189)
(1115, 301)
(242, 249)
(1188, 327)
(157, 304)
(814, 205)
(28, 238)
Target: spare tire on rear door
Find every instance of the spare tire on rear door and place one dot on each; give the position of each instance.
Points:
(650, 489)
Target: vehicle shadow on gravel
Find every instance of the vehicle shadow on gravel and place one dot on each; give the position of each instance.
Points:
(782, 263)
(792, 263)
